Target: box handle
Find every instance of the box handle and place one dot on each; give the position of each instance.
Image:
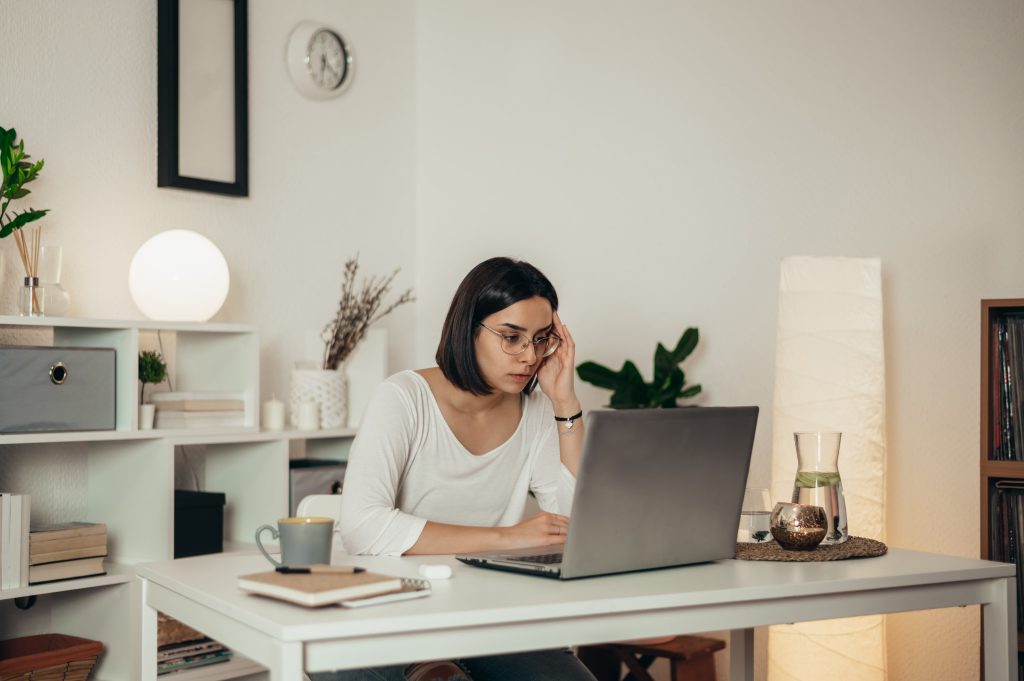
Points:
(58, 373)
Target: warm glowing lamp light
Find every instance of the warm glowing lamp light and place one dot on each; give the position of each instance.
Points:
(178, 276)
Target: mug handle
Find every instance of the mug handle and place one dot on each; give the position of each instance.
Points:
(273, 533)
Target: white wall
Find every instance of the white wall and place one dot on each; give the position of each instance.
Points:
(657, 160)
(328, 179)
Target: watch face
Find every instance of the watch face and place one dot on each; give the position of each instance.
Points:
(327, 59)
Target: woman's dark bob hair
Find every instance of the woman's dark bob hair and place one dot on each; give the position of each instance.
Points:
(489, 287)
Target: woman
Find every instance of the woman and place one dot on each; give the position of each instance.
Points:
(446, 456)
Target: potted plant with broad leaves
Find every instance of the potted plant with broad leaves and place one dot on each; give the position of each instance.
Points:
(325, 384)
(16, 171)
(152, 370)
(630, 391)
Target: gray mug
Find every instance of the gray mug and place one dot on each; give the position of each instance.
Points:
(304, 541)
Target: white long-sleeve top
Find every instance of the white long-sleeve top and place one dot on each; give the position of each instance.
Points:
(407, 467)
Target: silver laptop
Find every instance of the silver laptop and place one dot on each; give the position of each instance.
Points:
(656, 488)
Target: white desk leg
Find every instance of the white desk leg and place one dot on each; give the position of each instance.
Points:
(999, 621)
(741, 655)
(290, 664)
(148, 635)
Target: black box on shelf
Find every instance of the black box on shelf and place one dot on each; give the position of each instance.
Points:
(198, 523)
(313, 476)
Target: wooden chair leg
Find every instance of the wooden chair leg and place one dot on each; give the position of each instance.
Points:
(602, 663)
(697, 669)
(644, 661)
(636, 669)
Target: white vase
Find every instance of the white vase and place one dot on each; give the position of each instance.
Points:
(327, 388)
(146, 414)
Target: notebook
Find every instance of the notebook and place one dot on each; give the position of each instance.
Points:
(411, 588)
(656, 488)
(320, 588)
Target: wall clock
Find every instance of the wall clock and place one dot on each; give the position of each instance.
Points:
(319, 61)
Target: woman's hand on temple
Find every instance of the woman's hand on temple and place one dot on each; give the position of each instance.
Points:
(556, 373)
(542, 529)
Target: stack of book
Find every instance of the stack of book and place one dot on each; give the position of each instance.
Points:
(14, 524)
(1007, 367)
(198, 410)
(66, 551)
(189, 654)
(182, 647)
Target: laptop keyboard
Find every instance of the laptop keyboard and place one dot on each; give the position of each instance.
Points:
(543, 559)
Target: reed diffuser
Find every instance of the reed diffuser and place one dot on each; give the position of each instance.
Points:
(30, 300)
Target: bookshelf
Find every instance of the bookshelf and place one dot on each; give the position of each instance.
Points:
(1002, 436)
(126, 478)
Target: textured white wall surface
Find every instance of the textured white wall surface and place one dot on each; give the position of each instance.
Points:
(656, 159)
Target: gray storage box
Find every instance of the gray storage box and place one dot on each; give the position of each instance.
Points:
(313, 476)
(47, 389)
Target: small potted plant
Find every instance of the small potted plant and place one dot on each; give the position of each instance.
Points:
(152, 369)
(630, 391)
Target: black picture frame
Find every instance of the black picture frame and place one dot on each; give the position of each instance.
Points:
(169, 106)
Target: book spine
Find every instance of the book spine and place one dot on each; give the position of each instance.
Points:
(23, 532)
(5, 531)
(9, 581)
(54, 535)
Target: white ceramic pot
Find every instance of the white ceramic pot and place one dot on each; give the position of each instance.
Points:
(146, 414)
(325, 387)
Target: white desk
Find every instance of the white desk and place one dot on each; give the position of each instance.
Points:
(481, 612)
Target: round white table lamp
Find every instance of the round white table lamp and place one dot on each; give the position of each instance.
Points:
(179, 276)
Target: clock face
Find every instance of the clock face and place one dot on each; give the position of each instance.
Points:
(327, 59)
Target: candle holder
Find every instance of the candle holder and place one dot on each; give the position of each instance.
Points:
(798, 527)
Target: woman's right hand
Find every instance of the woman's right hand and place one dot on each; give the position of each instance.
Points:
(543, 529)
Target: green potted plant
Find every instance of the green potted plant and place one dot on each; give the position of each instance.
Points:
(153, 370)
(16, 171)
(630, 391)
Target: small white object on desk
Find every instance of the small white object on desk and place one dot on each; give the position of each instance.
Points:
(273, 415)
(308, 416)
(436, 571)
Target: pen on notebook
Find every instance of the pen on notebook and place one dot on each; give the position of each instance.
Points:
(308, 569)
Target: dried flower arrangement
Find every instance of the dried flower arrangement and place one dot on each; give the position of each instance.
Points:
(356, 312)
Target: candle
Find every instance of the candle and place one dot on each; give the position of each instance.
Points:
(308, 416)
(273, 414)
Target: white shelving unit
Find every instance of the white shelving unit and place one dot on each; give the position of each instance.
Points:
(125, 477)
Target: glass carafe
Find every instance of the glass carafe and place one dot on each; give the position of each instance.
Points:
(818, 482)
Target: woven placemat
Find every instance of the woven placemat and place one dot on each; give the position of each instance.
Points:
(854, 547)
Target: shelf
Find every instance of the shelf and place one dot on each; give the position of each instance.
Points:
(177, 436)
(77, 436)
(116, 574)
(144, 324)
(237, 667)
(219, 436)
(1002, 469)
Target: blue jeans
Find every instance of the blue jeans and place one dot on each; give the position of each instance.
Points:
(543, 665)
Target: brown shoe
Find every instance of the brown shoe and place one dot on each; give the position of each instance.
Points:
(438, 670)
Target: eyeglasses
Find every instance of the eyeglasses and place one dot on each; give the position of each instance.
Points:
(516, 343)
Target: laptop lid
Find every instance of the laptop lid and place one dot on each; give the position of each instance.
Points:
(656, 488)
